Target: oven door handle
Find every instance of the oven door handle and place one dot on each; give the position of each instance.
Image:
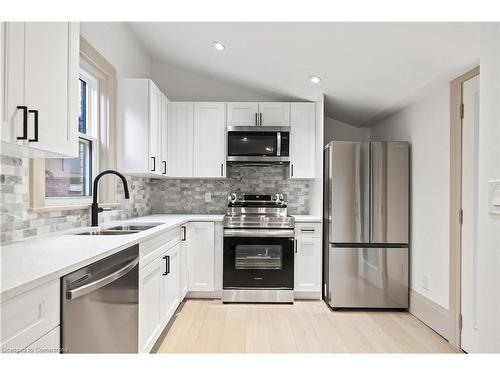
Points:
(258, 233)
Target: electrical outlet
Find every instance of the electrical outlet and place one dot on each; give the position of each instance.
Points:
(208, 197)
(301, 199)
(425, 282)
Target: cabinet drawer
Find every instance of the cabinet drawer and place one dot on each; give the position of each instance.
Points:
(308, 230)
(48, 344)
(154, 247)
(29, 316)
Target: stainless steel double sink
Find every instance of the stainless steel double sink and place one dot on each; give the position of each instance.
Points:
(119, 229)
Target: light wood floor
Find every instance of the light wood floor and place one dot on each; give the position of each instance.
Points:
(208, 326)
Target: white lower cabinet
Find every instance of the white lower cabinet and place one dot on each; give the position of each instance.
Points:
(170, 283)
(307, 271)
(50, 343)
(150, 304)
(201, 249)
(183, 265)
(29, 316)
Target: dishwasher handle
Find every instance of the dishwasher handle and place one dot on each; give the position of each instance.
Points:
(90, 287)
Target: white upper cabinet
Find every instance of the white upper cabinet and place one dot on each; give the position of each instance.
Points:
(302, 140)
(141, 148)
(242, 114)
(180, 139)
(209, 139)
(40, 89)
(258, 114)
(164, 136)
(274, 114)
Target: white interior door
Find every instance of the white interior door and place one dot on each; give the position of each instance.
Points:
(470, 139)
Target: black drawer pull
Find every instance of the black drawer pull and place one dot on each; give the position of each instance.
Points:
(154, 164)
(35, 112)
(166, 266)
(164, 167)
(25, 122)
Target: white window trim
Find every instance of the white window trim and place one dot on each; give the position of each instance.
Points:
(96, 64)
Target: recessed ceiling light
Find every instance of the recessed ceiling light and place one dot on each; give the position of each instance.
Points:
(219, 46)
(315, 79)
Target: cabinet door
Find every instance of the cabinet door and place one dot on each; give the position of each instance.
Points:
(183, 266)
(47, 344)
(302, 140)
(42, 64)
(151, 302)
(200, 242)
(180, 139)
(274, 114)
(209, 140)
(171, 283)
(308, 258)
(155, 123)
(242, 114)
(164, 136)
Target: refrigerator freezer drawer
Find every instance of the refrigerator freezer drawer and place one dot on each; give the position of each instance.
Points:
(368, 277)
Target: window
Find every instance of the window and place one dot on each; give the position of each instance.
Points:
(72, 178)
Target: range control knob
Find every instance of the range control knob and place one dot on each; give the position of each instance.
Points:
(232, 198)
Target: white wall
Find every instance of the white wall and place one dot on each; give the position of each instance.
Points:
(185, 85)
(341, 131)
(426, 125)
(488, 236)
(119, 46)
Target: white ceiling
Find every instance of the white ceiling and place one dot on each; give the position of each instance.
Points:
(368, 69)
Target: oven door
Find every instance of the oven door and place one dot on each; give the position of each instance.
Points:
(253, 262)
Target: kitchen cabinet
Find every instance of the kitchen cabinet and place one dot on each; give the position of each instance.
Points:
(28, 317)
(50, 343)
(141, 148)
(302, 140)
(164, 136)
(201, 249)
(151, 307)
(183, 265)
(274, 114)
(171, 291)
(40, 87)
(209, 139)
(180, 139)
(307, 273)
(258, 114)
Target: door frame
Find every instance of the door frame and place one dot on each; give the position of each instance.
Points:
(455, 298)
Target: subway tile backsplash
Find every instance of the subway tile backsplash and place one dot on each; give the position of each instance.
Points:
(188, 195)
(147, 196)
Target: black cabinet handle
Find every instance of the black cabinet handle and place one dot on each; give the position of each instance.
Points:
(166, 266)
(164, 167)
(256, 119)
(296, 246)
(154, 163)
(25, 122)
(183, 234)
(222, 170)
(261, 119)
(291, 166)
(35, 112)
(168, 263)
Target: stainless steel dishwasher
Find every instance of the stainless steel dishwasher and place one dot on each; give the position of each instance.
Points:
(100, 306)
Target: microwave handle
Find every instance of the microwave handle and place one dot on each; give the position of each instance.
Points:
(278, 141)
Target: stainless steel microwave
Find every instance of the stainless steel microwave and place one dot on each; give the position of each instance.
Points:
(256, 144)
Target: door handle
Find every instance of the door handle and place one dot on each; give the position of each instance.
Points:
(222, 169)
(85, 289)
(256, 120)
(295, 245)
(164, 167)
(291, 170)
(154, 164)
(260, 115)
(183, 234)
(167, 266)
(35, 113)
(25, 122)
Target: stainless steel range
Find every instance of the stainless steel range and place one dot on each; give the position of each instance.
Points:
(258, 249)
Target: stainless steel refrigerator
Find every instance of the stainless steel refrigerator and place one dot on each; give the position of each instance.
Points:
(366, 225)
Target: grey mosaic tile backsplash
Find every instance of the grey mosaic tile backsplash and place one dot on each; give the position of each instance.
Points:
(188, 195)
(17, 223)
(147, 196)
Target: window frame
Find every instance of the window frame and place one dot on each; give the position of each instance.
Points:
(92, 64)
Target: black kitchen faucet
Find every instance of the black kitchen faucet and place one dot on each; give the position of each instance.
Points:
(95, 207)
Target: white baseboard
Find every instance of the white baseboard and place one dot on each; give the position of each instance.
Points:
(307, 295)
(430, 313)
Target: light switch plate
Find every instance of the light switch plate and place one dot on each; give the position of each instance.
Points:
(494, 197)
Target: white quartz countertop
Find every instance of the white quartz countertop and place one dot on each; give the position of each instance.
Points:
(307, 219)
(27, 264)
